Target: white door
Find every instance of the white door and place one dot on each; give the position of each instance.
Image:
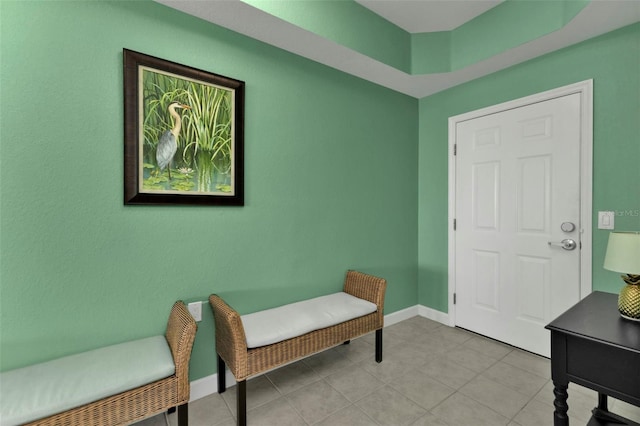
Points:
(517, 183)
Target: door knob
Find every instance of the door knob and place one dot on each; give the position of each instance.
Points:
(566, 244)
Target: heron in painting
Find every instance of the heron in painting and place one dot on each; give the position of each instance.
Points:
(168, 142)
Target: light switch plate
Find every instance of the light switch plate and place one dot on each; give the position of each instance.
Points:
(606, 220)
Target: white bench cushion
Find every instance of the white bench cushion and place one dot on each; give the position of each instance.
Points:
(284, 322)
(52, 387)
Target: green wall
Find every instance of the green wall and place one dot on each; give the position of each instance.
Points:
(335, 20)
(510, 24)
(613, 62)
(505, 26)
(331, 184)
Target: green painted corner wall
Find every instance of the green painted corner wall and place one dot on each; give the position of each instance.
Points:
(334, 20)
(331, 184)
(503, 27)
(509, 24)
(613, 62)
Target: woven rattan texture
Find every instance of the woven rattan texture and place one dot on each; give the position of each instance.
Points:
(231, 343)
(144, 401)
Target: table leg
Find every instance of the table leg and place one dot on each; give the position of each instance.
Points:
(601, 412)
(602, 402)
(560, 417)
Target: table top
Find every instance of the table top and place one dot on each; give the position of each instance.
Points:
(596, 317)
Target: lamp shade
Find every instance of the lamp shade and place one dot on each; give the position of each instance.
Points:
(623, 253)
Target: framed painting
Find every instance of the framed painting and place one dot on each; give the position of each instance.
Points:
(183, 134)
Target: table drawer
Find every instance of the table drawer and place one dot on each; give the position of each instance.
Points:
(610, 367)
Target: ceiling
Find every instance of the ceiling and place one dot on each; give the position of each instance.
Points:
(425, 16)
(414, 16)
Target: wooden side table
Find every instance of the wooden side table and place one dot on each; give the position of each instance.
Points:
(593, 346)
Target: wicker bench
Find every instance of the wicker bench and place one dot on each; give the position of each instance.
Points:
(245, 361)
(114, 385)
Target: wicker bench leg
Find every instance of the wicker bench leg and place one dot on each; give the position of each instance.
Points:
(183, 414)
(242, 403)
(222, 385)
(379, 345)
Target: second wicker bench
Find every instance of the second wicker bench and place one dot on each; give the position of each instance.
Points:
(255, 343)
(113, 385)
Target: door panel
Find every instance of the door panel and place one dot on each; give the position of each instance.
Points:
(534, 182)
(487, 268)
(532, 289)
(486, 195)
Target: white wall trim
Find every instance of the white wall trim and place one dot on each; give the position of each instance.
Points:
(203, 387)
(434, 315)
(398, 316)
(209, 385)
(585, 89)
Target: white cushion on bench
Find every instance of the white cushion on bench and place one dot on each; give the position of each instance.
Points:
(51, 387)
(288, 321)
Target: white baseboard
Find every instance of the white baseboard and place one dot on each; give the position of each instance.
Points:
(435, 315)
(204, 387)
(209, 385)
(398, 316)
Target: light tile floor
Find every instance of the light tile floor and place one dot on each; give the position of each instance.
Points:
(431, 375)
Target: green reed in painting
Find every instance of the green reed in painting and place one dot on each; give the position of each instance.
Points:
(203, 158)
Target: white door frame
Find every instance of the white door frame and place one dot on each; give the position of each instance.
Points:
(585, 89)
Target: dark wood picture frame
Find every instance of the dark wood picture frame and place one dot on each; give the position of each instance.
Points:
(198, 142)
